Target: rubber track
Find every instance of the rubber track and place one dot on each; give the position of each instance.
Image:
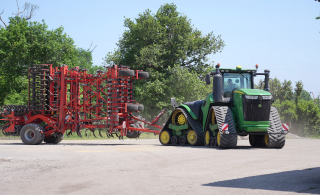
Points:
(195, 126)
(224, 115)
(276, 138)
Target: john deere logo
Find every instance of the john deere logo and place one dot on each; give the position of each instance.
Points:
(259, 105)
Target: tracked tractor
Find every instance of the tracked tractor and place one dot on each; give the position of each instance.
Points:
(234, 108)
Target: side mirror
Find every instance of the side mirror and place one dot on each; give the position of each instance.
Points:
(174, 102)
(208, 79)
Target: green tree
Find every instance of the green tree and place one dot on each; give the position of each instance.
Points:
(281, 91)
(158, 43)
(181, 83)
(24, 43)
(155, 42)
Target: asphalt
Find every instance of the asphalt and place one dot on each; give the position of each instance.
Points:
(146, 167)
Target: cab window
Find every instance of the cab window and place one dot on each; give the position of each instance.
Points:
(233, 81)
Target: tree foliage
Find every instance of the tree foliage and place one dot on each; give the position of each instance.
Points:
(302, 114)
(174, 53)
(24, 43)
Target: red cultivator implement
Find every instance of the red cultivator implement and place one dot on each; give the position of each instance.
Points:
(65, 101)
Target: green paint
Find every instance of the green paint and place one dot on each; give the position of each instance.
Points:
(178, 128)
(205, 109)
(252, 92)
(189, 110)
(213, 127)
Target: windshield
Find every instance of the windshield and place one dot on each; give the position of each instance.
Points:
(233, 81)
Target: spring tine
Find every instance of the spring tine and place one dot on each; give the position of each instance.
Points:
(108, 135)
(117, 135)
(86, 133)
(94, 134)
(79, 134)
(100, 133)
(111, 135)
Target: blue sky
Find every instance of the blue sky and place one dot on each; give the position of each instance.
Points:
(282, 36)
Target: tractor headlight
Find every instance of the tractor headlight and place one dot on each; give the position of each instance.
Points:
(251, 97)
(266, 97)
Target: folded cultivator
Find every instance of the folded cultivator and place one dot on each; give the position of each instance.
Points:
(63, 100)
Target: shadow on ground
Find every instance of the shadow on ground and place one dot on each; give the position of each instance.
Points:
(301, 181)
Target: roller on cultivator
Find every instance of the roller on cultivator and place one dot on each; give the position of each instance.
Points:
(63, 101)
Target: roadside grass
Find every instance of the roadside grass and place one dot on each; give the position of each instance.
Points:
(74, 136)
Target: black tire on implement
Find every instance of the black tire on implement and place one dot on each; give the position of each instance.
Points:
(126, 73)
(276, 139)
(133, 134)
(132, 107)
(143, 75)
(54, 139)
(31, 134)
(140, 107)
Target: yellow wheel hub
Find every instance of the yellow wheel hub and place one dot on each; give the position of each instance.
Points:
(192, 137)
(165, 137)
(181, 119)
(178, 118)
(218, 139)
(266, 139)
(207, 137)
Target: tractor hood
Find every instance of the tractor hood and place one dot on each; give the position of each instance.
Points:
(252, 92)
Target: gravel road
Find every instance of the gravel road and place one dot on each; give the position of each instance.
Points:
(146, 167)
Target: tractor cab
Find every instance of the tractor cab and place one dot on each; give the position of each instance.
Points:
(236, 79)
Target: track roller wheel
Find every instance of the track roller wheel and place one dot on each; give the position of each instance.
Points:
(165, 137)
(31, 134)
(175, 140)
(178, 118)
(208, 138)
(54, 139)
(183, 140)
(192, 137)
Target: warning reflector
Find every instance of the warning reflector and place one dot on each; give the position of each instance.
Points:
(285, 126)
(224, 126)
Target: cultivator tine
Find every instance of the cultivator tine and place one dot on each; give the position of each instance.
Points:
(86, 133)
(70, 133)
(94, 134)
(79, 134)
(100, 133)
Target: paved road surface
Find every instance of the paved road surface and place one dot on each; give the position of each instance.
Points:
(146, 167)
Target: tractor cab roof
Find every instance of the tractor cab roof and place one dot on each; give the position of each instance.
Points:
(237, 69)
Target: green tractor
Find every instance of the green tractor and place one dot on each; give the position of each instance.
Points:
(234, 108)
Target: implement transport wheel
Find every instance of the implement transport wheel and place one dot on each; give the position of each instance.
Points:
(275, 137)
(165, 137)
(183, 140)
(126, 73)
(257, 140)
(31, 134)
(207, 138)
(131, 133)
(54, 139)
(132, 107)
(178, 118)
(143, 75)
(175, 140)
